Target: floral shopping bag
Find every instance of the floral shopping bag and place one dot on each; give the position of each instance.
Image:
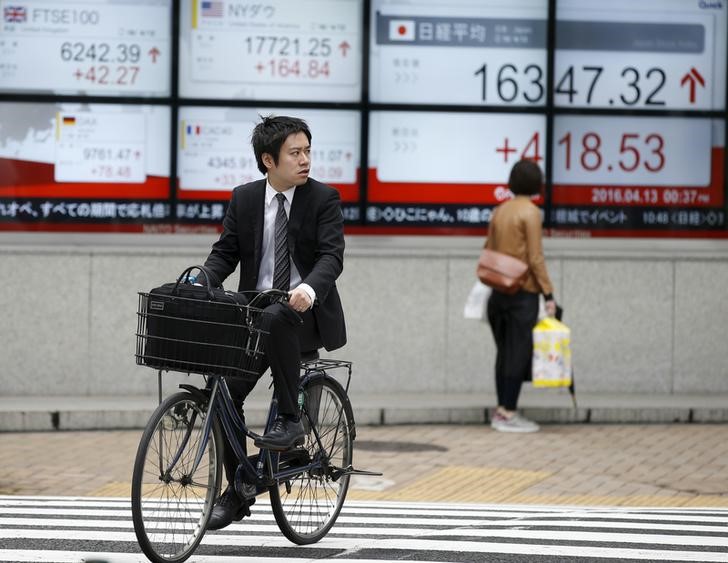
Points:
(551, 365)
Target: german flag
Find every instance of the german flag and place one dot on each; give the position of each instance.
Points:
(69, 120)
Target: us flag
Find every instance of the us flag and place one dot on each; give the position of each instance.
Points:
(15, 14)
(212, 8)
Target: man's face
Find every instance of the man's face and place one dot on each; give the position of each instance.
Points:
(294, 163)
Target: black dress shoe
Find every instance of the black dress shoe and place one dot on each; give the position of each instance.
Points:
(228, 508)
(284, 435)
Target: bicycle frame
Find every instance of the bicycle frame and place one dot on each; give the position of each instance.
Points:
(220, 406)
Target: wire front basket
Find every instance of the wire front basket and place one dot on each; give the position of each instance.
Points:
(198, 336)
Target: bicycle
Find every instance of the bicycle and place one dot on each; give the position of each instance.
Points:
(178, 466)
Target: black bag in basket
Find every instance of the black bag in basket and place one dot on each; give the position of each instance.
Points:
(197, 328)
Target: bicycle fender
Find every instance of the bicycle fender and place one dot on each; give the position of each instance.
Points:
(320, 374)
(194, 391)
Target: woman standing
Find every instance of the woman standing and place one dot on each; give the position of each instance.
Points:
(515, 229)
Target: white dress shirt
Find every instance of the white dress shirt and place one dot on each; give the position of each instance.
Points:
(267, 260)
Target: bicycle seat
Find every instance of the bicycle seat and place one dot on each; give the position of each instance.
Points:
(309, 356)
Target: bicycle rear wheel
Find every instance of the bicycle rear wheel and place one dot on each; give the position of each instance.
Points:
(171, 501)
(307, 505)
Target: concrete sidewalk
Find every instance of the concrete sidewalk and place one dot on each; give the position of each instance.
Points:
(566, 464)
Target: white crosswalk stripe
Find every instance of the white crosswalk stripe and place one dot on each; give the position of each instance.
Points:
(69, 529)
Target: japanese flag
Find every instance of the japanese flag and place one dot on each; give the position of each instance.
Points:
(401, 30)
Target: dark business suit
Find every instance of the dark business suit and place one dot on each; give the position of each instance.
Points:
(315, 244)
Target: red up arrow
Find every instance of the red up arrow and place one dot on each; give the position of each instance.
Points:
(344, 46)
(692, 78)
(154, 53)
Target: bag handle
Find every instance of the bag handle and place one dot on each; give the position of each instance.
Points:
(209, 276)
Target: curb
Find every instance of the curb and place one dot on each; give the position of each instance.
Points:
(34, 414)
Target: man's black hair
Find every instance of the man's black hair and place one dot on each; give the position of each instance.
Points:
(526, 178)
(270, 134)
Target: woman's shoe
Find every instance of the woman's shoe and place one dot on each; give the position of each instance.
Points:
(514, 423)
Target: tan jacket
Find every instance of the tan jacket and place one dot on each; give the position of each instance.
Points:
(515, 229)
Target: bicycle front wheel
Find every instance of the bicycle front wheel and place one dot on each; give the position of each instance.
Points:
(171, 499)
(306, 506)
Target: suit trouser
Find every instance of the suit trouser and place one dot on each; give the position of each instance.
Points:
(287, 334)
(512, 318)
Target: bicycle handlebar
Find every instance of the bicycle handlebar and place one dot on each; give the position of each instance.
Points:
(275, 294)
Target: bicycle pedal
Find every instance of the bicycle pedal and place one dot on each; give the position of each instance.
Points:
(364, 472)
(248, 491)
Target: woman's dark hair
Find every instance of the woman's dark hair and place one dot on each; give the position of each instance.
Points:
(270, 134)
(526, 178)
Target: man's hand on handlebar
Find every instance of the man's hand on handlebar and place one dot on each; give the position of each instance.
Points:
(299, 300)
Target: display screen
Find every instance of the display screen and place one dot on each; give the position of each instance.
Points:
(276, 50)
(470, 52)
(80, 163)
(445, 169)
(215, 155)
(88, 47)
(418, 110)
(653, 54)
(638, 172)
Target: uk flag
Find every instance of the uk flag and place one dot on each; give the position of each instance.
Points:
(15, 14)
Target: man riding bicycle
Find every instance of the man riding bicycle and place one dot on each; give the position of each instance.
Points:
(286, 231)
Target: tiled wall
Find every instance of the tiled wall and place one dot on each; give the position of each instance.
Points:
(649, 317)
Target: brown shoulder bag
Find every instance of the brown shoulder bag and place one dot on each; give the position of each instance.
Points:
(502, 272)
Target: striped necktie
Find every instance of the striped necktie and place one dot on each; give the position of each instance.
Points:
(282, 268)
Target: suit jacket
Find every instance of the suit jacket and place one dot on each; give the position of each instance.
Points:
(315, 244)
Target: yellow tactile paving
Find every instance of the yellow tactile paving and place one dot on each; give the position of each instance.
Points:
(112, 490)
(707, 500)
(487, 486)
(492, 485)
(464, 484)
(615, 500)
